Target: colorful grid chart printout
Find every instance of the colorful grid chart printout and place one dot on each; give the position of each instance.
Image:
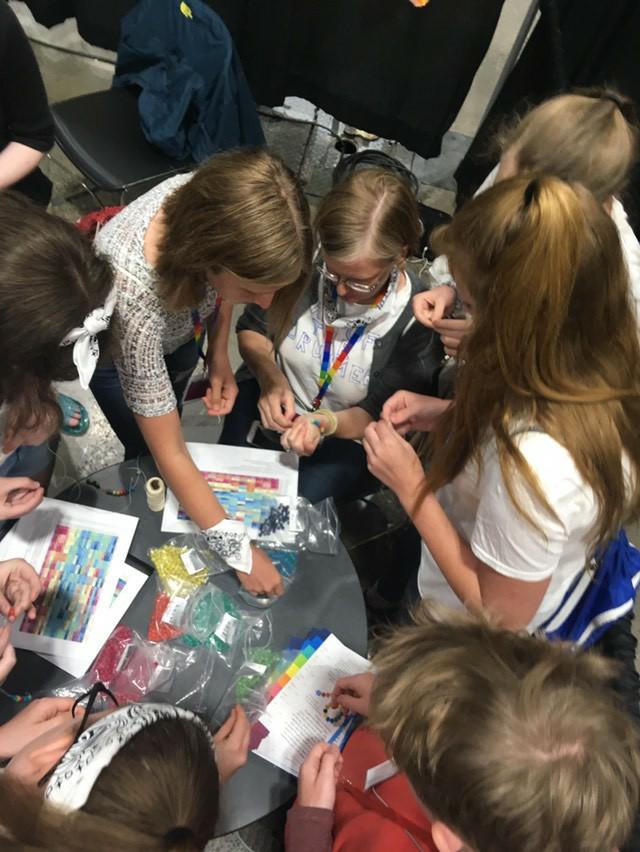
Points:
(73, 573)
(244, 498)
(258, 488)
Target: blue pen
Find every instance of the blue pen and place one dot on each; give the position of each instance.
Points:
(344, 729)
(349, 730)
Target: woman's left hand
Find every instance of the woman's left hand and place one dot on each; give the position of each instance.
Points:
(223, 389)
(303, 438)
(393, 460)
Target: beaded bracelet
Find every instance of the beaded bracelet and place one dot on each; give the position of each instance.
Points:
(331, 417)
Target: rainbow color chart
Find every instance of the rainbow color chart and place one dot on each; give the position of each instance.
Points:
(73, 573)
(244, 498)
(121, 585)
(294, 657)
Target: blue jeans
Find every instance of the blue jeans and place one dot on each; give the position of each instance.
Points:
(338, 468)
(107, 390)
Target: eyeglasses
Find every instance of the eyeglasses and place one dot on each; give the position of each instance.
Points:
(364, 287)
(97, 689)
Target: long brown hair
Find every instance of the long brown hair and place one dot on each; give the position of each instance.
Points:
(372, 213)
(553, 342)
(588, 136)
(513, 742)
(164, 779)
(50, 279)
(244, 212)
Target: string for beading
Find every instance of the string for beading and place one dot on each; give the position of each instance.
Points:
(17, 699)
(75, 481)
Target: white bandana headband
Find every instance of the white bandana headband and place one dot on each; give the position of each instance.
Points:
(72, 782)
(86, 350)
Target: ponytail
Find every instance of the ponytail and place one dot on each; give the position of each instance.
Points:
(553, 342)
(159, 794)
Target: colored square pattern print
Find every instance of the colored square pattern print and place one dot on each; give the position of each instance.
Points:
(72, 576)
(249, 499)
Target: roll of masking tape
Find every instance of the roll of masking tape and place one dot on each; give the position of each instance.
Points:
(156, 492)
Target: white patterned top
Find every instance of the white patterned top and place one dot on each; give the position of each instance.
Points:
(144, 330)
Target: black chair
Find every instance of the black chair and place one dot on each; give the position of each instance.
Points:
(100, 133)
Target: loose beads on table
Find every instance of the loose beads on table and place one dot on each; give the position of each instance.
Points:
(17, 699)
(113, 492)
(277, 519)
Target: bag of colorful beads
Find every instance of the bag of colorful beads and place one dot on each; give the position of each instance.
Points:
(182, 565)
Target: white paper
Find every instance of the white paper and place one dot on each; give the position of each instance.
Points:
(192, 562)
(277, 483)
(295, 718)
(79, 567)
(378, 774)
(227, 628)
(174, 611)
(78, 664)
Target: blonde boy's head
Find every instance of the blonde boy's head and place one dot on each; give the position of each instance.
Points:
(509, 741)
(588, 137)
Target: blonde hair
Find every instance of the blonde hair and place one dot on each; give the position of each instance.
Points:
(163, 784)
(372, 213)
(513, 742)
(243, 212)
(589, 136)
(553, 343)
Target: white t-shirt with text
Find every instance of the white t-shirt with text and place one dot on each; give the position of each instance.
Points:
(300, 354)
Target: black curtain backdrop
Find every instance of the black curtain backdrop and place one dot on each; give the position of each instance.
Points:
(381, 65)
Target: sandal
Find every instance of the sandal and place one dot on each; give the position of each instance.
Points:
(69, 407)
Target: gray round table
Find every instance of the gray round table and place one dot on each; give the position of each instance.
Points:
(325, 593)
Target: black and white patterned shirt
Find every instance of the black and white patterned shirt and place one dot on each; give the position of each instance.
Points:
(145, 331)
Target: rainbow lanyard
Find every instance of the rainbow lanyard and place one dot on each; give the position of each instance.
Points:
(327, 373)
(198, 327)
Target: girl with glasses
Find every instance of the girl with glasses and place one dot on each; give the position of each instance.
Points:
(353, 341)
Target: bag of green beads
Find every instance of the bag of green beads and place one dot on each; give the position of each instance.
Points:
(213, 618)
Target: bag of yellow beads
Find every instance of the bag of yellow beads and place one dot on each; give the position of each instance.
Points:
(182, 565)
